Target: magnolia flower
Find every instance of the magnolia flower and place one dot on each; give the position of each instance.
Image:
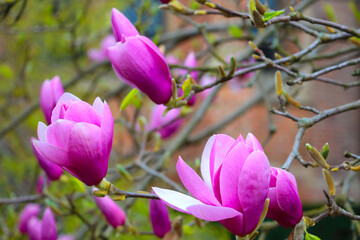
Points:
(99, 55)
(53, 171)
(79, 139)
(51, 91)
(206, 79)
(31, 210)
(121, 25)
(34, 229)
(111, 211)
(234, 188)
(138, 62)
(159, 217)
(48, 226)
(285, 206)
(157, 120)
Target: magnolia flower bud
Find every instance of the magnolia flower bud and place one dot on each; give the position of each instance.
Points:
(121, 25)
(34, 229)
(51, 91)
(285, 206)
(48, 226)
(159, 216)
(30, 210)
(79, 139)
(145, 67)
(111, 211)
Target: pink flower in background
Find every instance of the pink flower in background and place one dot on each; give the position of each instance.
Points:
(233, 188)
(51, 91)
(138, 62)
(159, 216)
(158, 120)
(238, 82)
(111, 211)
(31, 210)
(66, 237)
(41, 182)
(48, 226)
(285, 206)
(190, 61)
(34, 229)
(205, 80)
(121, 25)
(79, 139)
(99, 55)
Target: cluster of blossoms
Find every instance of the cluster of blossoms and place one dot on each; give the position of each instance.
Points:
(238, 187)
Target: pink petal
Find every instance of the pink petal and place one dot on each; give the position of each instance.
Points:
(48, 226)
(252, 141)
(58, 133)
(121, 25)
(194, 184)
(254, 187)
(229, 176)
(107, 120)
(41, 131)
(97, 55)
(57, 88)
(219, 150)
(65, 98)
(205, 161)
(235, 225)
(287, 197)
(52, 153)
(189, 205)
(82, 112)
(88, 153)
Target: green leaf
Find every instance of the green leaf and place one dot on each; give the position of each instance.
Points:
(309, 236)
(6, 71)
(128, 99)
(186, 87)
(270, 15)
(355, 10)
(329, 10)
(235, 31)
(194, 5)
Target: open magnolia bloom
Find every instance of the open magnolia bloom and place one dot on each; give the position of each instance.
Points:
(79, 138)
(234, 188)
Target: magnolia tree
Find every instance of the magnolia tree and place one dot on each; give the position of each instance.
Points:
(232, 190)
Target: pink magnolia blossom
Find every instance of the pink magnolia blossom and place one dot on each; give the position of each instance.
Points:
(285, 206)
(111, 211)
(99, 55)
(53, 171)
(206, 79)
(66, 237)
(79, 139)
(159, 216)
(51, 91)
(138, 62)
(121, 25)
(234, 185)
(157, 120)
(34, 229)
(48, 226)
(31, 210)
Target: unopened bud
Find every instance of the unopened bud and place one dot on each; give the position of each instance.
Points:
(278, 83)
(325, 151)
(330, 29)
(335, 169)
(257, 18)
(355, 41)
(291, 100)
(118, 197)
(210, 5)
(291, 8)
(329, 181)
(317, 157)
(100, 193)
(355, 168)
(232, 67)
(278, 56)
(253, 46)
(174, 89)
(222, 71)
(260, 7)
(200, 12)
